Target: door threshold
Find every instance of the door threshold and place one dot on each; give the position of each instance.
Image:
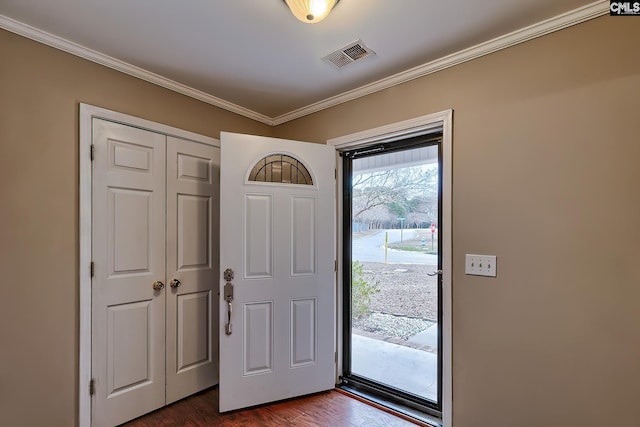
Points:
(401, 411)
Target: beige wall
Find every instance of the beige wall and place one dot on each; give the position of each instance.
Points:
(546, 175)
(40, 90)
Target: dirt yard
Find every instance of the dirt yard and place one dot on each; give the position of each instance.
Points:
(406, 304)
(405, 289)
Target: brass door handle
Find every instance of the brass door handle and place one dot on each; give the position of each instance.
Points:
(158, 285)
(175, 283)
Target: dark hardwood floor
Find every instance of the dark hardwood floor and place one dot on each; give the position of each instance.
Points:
(329, 409)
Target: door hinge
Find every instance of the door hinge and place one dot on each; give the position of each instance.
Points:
(92, 387)
(335, 174)
(93, 152)
(92, 268)
(335, 357)
(335, 265)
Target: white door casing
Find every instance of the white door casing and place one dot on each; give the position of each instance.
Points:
(144, 181)
(129, 256)
(280, 241)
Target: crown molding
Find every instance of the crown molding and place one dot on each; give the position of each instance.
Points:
(556, 23)
(551, 25)
(64, 45)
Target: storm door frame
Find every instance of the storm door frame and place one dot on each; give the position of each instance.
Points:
(440, 122)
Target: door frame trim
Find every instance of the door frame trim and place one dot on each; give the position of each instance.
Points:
(87, 114)
(401, 130)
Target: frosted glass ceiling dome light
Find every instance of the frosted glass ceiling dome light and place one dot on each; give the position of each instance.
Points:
(311, 11)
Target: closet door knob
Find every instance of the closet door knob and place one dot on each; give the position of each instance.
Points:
(175, 283)
(158, 285)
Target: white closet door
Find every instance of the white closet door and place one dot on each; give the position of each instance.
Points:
(128, 314)
(192, 254)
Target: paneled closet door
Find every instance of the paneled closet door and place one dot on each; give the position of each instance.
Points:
(128, 299)
(155, 252)
(192, 252)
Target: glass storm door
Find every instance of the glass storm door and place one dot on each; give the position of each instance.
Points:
(392, 292)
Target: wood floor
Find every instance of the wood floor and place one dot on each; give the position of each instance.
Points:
(329, 409)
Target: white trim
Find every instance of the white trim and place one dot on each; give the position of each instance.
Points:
(539, 29)
(390, 132)
(114, 116)
(87, 114)
(405, 129)
(76, 49)
(86, 170)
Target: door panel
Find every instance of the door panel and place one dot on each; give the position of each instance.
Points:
(303, 236)
(128, 253)
(194, 245)
(279, 239)
(128, 337)
(194, 331)
(129, 219)
(303, 332)
(258, 338)
(258, 232)
(192, 307)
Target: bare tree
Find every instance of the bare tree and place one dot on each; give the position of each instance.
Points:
(389, 193)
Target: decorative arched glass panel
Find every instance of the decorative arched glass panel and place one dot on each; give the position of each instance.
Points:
(281, 168)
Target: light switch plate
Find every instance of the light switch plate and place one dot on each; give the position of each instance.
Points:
(480, 265)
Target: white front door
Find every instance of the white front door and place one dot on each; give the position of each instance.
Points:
(155, 252)
(277, 215)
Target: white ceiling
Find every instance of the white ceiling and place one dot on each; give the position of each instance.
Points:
(255, 55)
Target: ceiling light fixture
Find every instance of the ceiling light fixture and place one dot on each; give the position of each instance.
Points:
(311, 11)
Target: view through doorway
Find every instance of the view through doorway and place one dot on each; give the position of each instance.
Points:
(393, 308)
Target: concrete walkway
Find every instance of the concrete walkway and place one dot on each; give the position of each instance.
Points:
(428, 337)
(405, 368)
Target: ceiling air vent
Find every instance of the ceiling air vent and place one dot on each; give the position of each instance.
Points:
(349, 54)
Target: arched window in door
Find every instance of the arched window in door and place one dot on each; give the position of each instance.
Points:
(280, 168)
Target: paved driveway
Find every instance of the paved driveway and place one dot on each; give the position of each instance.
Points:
(370, 248)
